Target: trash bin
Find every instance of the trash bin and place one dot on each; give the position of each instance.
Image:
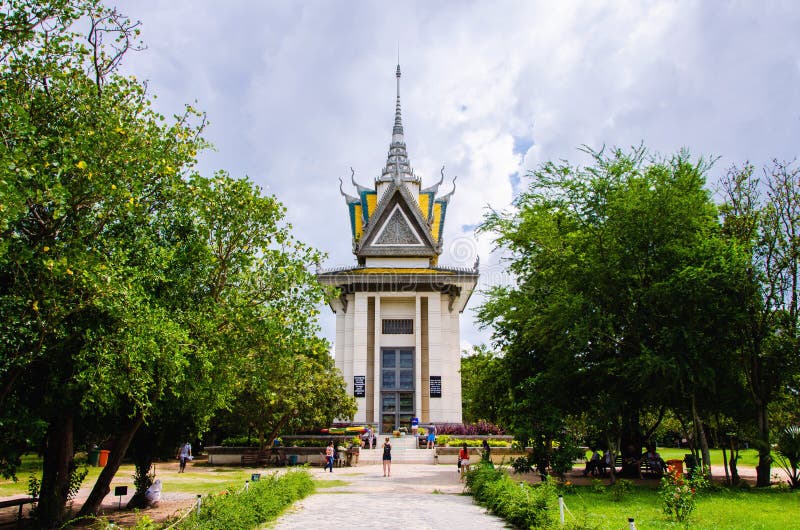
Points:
(93, 456)
(103, 460)
(675, 465)
(292, 460)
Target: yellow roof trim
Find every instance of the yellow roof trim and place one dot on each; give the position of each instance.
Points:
(389, 270)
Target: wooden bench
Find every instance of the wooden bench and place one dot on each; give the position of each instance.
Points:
(644, 467)
(18, 502)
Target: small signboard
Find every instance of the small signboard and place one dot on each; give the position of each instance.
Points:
(360, 386)
(120, 491)
(436, 386)
(255, 477)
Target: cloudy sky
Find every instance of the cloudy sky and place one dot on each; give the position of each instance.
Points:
(298, 92)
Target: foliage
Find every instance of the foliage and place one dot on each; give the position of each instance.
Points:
(789, 454)
(133, 290)
(468, 429)
(620, 488)
(598, 486)
(762, 215)
(458, 442)
(624, 296)
(523, 505)
(484, 386)
(262, 502)
(678, 494)
(521, 464)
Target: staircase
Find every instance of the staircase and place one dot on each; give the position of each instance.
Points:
(404, 451)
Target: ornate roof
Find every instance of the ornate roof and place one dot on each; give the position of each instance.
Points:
(405, 221)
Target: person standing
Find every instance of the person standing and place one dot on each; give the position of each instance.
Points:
(184, 454)
(432, 436)
(415, 427)
(463, 460)
(329, 454)
(487, 451)
(387, 458)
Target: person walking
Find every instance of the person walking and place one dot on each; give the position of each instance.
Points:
(184, 454)
(463, 460)
(329, 454)
(387, 458)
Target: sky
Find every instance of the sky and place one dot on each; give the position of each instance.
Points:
(297, 92)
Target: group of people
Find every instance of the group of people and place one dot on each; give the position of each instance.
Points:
(599, 465)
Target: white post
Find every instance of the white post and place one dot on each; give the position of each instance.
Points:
(246, 485)
(199, 502)
(561, 508)
(631, 524)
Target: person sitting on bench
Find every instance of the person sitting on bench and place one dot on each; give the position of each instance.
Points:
(593, 464)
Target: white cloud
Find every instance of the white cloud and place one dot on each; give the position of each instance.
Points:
(297, 92)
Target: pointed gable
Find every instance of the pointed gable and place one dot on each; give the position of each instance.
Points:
(397, 228)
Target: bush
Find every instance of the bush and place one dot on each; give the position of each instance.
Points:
(264, 501)
(620, 488)
(789, 454)
(458, 442)
(522, 505)
(678, 494)
(240, 441)
(470, 429)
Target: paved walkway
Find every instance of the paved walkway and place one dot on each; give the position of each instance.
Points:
(415, 496)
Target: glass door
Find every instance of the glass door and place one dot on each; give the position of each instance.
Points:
(397, 388)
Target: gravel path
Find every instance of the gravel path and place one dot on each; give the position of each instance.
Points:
(415, 496)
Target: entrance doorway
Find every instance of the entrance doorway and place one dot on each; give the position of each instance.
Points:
(397, 388)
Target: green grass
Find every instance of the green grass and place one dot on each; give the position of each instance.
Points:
(717, 510)
(747, 457)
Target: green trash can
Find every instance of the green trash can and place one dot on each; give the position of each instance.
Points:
(292, 460)
(93, 456)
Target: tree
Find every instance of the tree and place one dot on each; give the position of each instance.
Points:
(484, 386)
(762, 215)
(592, 325)
(127, 282)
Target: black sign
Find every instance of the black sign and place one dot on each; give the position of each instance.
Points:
(436, 386)
(360, 386)
(120, 491)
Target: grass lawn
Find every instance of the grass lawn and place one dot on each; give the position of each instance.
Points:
(198, 479)
(747, 457)
(735, 509)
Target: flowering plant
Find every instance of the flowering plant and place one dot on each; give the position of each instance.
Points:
(678, 494)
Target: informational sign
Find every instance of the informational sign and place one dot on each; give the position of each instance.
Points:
(360, 386)
(120, 490)
(436, 386)
(255, 477)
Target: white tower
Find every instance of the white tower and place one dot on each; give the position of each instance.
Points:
(397, 316)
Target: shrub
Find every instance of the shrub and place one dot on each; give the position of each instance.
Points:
(678, 494)
(522, 505)
(789, 454)
(468, 429)
(620, 488)
(598, 486)
(458, 442)
(521, 464)
(262, 502)
(239, 441)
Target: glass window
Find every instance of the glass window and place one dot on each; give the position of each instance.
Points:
(389, 403)
(406, 379)
(406, 358)
(388, 359)
(406, 401)
(389, 380)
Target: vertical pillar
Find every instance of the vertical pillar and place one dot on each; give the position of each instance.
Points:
(376, 400)
(370, 372)
(425, 388)
(418, 355)
(359, 365)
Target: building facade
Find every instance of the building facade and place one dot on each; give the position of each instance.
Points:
(397, 315)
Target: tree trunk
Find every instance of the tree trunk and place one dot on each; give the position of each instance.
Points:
(764, 457)
(103, 485)
(703, 441)
(733, 463)
(57, 467)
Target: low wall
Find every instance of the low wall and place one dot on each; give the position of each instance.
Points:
(226, 456)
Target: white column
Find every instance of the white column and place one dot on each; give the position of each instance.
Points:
(359, 366)
(418, 356)
(377, 363)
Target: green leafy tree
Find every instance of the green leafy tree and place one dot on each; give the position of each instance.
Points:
(762, 214)
(593, 326)
(485, 391)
